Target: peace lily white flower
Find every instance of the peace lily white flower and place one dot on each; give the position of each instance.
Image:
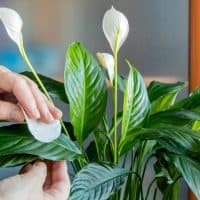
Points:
(41, 131)
(115, 22)
(13, 23)
(107, 61)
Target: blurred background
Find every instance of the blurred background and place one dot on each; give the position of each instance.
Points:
(157, 42)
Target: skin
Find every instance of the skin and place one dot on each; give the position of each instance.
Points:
(16, 89)
(42, 180)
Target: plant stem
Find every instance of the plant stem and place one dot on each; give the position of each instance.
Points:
(25, 57)
(115, 97)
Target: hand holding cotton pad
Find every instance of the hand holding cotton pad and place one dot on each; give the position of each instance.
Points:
(41, 131)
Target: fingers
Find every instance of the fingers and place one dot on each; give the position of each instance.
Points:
(26, 98)
(35, 174)
(10, 112)
(29, 96)
(57, 114)
(48, 180)
(59, 172)
(60, 183)
(51, 177)
(42, 106)
(48, 111)
(19, 87)
(5, 96)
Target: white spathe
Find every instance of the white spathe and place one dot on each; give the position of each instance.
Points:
(41, 131)
(115, 22)
(13, 23)
(107, 61)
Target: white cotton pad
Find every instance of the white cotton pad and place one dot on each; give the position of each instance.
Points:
(41, 131)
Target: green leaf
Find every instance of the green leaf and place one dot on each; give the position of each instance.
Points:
(189, 169)
(136, 103)
(55, 88)
(176, 117)
(119, 119)
(163, 95)
(171, 192)
(179, 140)
(157, 89)
(163, 103)
(121, 80)
(190, 102)
(15, 160)
(86, 90)
(97, 182)
(16, 139)
(128, 143)
(196, 126)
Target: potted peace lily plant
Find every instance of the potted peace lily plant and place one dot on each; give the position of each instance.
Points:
(112, 163)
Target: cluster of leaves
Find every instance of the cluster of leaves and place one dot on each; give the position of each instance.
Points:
(153, 125)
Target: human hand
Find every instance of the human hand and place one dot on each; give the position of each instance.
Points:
(14, 89)
(40, 181)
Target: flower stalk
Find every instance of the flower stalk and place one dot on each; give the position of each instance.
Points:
(25, 57)
(115, 96)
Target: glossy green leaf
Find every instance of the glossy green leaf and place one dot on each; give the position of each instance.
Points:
(157, 89)
(196, 125)
(163, 103)
(119, 119)
(180, 140)
(16, 139)
(97, 181)
(128, 143)
(136, 103)
(86, 90)
(189, 169)
(176, 117)
(121, 80)
(190, 102)
(55, 88)
(15, 160)
(163, 95)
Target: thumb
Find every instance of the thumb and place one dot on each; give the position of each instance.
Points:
(10, 112)
(36, 174)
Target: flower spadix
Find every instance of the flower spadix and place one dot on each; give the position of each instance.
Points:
(107, 61)
(12, 23)
(115, 24)
(41, 131)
